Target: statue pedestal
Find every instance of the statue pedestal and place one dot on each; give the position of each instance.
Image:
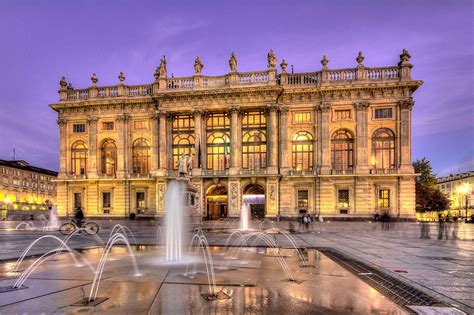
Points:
(191, 203)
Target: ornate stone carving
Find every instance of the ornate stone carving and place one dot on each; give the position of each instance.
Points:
(284, 110)
(360, 59)
(362, 106)
(94, 79)
(404, 58)
(283, 65)
(234, 195)
(163, 114)
(63, 83)
(325, 62)
(155, 116)
(122, 118)
(161, 71)
(198, 65)
(272, 108)
(324, 107)
(406, 103)
(61, 122)
(234, 109)
(69, 86)
(272, 59)
(91, 120)
(121, 77)
(233, 62)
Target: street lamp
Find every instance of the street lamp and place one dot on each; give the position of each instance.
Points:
(465, 189)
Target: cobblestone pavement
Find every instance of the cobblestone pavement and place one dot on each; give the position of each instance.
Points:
(442, 268)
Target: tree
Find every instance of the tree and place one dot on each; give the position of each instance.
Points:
(428, 197)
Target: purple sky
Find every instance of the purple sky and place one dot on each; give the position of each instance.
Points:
(43, 40)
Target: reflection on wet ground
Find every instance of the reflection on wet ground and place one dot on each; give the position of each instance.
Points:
(254, 281)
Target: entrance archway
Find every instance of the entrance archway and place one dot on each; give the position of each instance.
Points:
(216, 201)
(254, 196)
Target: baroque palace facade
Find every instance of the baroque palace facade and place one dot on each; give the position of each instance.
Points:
(331, 142)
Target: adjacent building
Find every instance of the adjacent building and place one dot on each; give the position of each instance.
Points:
(460, 190)
(25, 189)
(335, 142)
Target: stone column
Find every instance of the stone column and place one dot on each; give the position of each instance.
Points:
(272, 139)
(163, 144)
(284, 140)
(155, 138)
(198, 143)
(325, 111)
(121, 122)
(62, 123)
(362, 138)
(235, 141)
(405, 135)
(92, 159)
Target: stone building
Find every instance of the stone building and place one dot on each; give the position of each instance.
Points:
(335, 142)
(460, 190)
(25, 189)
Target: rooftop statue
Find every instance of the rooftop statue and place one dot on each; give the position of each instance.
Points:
(198, 65)
(162, 68)
(272, 59)
(233, 62)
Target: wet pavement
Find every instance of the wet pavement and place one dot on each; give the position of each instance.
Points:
(441, 268)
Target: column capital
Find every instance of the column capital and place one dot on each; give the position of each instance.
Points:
(155, 116)
(122, 118)
(92, 120)
(324, 107)
(198, 112)
(284, 109)
(272, 107)
(407, 103)
(61, 122)
(362, 106)
(234, 109)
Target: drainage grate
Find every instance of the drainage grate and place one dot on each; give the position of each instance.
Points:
(394, 289)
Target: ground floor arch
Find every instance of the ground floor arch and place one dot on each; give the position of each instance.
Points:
(254, 195)
(216, 202)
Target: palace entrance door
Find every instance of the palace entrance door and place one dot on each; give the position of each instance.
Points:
(254, 196)
(216, 202)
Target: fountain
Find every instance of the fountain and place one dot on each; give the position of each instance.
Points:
(244, 216)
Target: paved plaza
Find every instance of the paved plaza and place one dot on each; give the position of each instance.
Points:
(441, 268)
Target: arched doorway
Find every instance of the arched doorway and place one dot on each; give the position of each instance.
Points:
(254, 196)
(216, 200)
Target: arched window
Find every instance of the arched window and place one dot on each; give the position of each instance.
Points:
(254, 140)
(182, 144)
(141, 156)
(303, 151)
(108, 157)
(383, 148)
(78, 158)
(218, 141)
(342, 151)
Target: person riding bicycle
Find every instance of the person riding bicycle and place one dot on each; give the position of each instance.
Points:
(79, 216)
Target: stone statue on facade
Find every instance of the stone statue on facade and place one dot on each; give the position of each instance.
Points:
(404, 57)
(198, 65)
(121, 77)
(94, 79)
(272, 59)
(189, 164)
(233, 62)
(360, 59)
(162, 71)
(63, 83)
(183, 167)
(283, 65)
(325, 62)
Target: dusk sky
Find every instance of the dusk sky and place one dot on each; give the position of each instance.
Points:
(44, 40)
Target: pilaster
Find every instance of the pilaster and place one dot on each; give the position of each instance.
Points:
(163, 142)
(324, 114)
(62, 123)
(272, 139)
(284, 166)
(406, 106)
(92, 159)
(362, 158)
(235, 141)
(155, 162)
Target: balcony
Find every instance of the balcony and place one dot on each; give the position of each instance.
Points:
(261, 171)
(215, 173)
(382, 171)
(348, 171)
(139, 175)
(301, 173)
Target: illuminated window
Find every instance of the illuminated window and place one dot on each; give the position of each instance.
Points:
(140, 124)
(77, 200)
(141, 200)
(78, 158)
(106, 200)
(108, 157)
(342, 114)
(141, 156)
(302, 151)
(383, 113)
(183, 137)
(384, 198)
(254, 140)
(383, 148)
(16, 182)
(108, 125)
(78, 128)
(343, 198)
(302, 117)
(342, 150)
(303, 198)
(218, 141)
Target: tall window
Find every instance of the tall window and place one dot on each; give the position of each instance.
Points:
(303, 199)
(108, 157)
(183, 137)
(254, 140)
(342, 150)
(140, 200)
(141, 156)
(384, 198)
(78, 158)
(383, 148)
(218, 141)
(303, 151)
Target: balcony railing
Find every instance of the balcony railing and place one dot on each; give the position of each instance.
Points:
(215, 172)
(301, 172)
(383, 171)
(342, 172)
(261, 171)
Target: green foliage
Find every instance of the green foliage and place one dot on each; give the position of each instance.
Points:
(428, 197)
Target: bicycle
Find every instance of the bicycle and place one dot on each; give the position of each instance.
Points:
(90, 228)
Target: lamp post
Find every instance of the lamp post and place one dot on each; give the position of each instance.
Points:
(465, 189)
